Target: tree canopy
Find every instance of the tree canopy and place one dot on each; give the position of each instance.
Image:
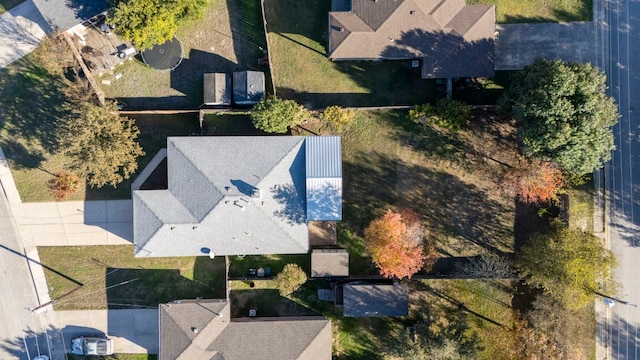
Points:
(149, 22)
(449, 114)
(568, 265)
(533, 180)
(564, 114)
(275, 115)
(101, 143)
(396, 244)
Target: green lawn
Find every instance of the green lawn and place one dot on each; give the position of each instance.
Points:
(229, 38)
(301, 71)
(239, 266)
(581, 203)
(527, 11)
(229, 124)
(113, 278)
(390, 162)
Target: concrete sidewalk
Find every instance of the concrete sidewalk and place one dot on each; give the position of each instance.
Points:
(518, 45)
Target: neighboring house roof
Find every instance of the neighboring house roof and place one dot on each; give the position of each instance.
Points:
(217, 89)
(239, 195)
(195, 330)
(455, 38)
(248, 87)
(65, 14)
(362, 299)
(329, 262)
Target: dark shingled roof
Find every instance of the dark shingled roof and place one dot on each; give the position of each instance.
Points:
(217, 89)
(248, 87)
(362, 299)
(437, 30)
(202, 329)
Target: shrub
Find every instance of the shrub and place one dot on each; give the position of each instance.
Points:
(275, 115)
(447, 114)
(290, 279)
(337, 117)
(64, 184)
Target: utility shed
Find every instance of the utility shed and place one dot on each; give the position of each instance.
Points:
(329, 263)
(248, 87)
(363, 299)
(217, 89)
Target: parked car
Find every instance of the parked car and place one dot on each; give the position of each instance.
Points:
(91, 346)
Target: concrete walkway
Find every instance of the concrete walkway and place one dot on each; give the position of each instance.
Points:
(518, 45)
(21, 30)
(71, 223)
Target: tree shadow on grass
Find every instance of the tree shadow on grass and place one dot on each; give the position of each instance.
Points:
(267, 302)
(31, 103)
(133, 288)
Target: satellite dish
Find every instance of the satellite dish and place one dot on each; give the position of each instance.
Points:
(212, 255)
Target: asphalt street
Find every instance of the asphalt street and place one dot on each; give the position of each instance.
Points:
(620, 25)
(23, 335)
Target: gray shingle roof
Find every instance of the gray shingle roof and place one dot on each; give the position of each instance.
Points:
(216, 89)
(239, 196)
(65, 14)
(410, 29)
(233, 195)
(220, 338)
(363, 299)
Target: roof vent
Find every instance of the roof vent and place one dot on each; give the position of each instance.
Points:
(257, 193)
(194, 329)
(412, 12)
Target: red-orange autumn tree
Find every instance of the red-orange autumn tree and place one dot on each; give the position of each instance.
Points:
(396, 244)
(533, 180)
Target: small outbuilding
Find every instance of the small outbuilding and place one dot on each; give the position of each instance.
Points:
(248, 87)
(217, 89)
(329, 263)
(364, 299)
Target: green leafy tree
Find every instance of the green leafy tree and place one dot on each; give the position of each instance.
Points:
(290, 279)
(448, 114)
(568, 265)
(275, 115)
(149, 22)
(564, 114)
(101, 144)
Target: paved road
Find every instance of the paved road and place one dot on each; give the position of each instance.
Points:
(22, 335)
(620, 27)
(518, 45)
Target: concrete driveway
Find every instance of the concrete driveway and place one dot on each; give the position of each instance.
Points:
(133, 331)
(518, 45)
(21, 30)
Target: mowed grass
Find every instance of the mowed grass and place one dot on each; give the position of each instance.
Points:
(229, 38)
(112, 278)
(528, 11)
(450, 179)
(297, 35)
